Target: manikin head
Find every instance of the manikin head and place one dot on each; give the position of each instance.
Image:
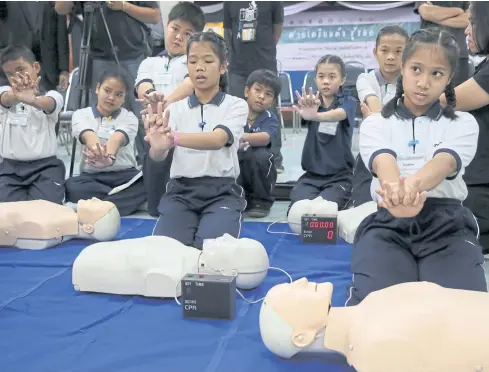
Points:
(317, 206)
(293, 314)
(98, 220)
(246, 258)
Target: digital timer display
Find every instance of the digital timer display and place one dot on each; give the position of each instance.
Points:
(319, 229)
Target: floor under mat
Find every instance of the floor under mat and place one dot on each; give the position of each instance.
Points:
(46, 326)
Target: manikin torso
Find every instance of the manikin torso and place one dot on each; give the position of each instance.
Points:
(153, 266)
(411, 327)
(40, 224)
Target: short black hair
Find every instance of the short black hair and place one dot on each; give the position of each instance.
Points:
(15, 52)
(118, 73)
(479, 20)
(265, 77)
(188, 12)
(391, 30)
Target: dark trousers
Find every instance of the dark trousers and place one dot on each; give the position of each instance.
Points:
(478, 202)
(98, 185)
(195, 209)
(439, 245)
(362, 180)
(42, 179)
(156, 176)
(236, 88)
(309, 186)
(257, 175)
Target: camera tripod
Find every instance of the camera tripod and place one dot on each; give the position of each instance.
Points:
(89, 8)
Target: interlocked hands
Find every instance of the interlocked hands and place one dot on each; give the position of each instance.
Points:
(307, 104)
(24, 88)
(98, 157)
(403, 199)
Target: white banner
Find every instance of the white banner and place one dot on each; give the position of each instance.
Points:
(350, 34)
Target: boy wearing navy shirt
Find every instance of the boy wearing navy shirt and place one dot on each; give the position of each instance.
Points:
(258, 174)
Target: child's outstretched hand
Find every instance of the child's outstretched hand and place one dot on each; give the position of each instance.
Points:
(307, 104)
(152, 100)
(24, 88)
(158, 131)
(365, 111)
(98, 157)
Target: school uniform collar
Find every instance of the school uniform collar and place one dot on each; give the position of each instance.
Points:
(381, 78)
(261, 118)
(193, 101)
(97, 114)
(166, 54)
(334, 103)
(434, 112)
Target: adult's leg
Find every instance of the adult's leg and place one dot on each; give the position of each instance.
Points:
(223, 215)
(260, 177)
(49, 180)
(236, 84)
(456, 259)
(379, 259)
(177, 219)
(156, 176)
(478, 203)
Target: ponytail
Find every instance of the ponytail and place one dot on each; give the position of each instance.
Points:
(449, 109)
(391, 106)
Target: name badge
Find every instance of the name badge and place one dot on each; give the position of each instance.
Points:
(18, 118)
(328, 128)
(164, 78)
(410, 164)
(247, 31)
(104, 132)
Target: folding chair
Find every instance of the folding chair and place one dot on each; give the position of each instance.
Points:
(286, 100)
(353, 71)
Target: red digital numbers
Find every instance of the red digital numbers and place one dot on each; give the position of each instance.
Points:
(321, 225)
(330, 235)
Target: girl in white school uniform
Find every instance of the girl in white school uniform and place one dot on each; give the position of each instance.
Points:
(417, 152)
(375, 89)
(202, 200)
(107, 132)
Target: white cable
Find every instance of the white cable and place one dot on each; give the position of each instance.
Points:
(261, 299)
(279, 232)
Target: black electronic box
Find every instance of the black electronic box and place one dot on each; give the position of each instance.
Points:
(209, 296)
(319, 229)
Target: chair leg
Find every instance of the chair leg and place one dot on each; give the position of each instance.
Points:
(73, 155)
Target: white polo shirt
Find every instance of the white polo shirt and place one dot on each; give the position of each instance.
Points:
(89, 119)
(416, 140)
(166, 73)
(374, 84)
(26, 133)
(223, 111)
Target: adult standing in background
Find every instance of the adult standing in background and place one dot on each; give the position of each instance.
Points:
(252, 30)
(453, 17)
(126, 21)
(35, 25)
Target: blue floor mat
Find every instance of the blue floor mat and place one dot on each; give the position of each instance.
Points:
(46, 326)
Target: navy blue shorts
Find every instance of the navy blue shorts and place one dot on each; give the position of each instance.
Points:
(439, 245)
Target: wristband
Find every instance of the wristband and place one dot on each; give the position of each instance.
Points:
(176, 141)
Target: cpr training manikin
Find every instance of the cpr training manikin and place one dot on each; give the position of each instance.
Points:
(410, 327)
(348, 219)
(39, 224)
(153, 266)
